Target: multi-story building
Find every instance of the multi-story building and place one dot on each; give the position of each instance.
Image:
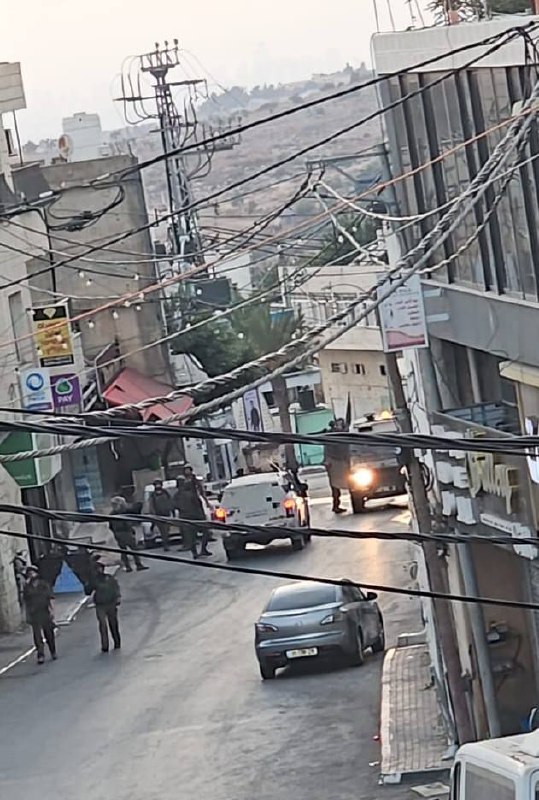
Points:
(17, 356)
(480, 376)
(123, 361)
(353, 366)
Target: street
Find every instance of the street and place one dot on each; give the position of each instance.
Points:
(181, 712)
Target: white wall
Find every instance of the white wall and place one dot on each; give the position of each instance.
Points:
(369, 392)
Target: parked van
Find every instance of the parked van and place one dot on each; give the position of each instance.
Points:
(265, 499)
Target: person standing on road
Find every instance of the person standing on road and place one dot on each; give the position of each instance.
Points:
(38, 599)
(161, 505)
(336, 463)
(124, 534)
(188, 503)
(106, 596)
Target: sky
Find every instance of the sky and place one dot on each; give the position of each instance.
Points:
(72, 52)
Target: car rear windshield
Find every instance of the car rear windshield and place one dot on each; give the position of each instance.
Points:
(303, 598)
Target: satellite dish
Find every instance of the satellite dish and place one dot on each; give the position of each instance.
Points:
(65, 146)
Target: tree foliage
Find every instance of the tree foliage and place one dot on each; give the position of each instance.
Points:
(246, 334)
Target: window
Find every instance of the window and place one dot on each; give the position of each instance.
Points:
(339, 366)
(484, 784)
(359, 369)
(383, 370)
(297, 596)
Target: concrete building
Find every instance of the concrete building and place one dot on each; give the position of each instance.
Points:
(353, 365)
(480, 375)
(111, 272)
(119, 368)
(82, 138)
(17, 354)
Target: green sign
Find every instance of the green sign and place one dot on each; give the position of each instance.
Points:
(30, 472)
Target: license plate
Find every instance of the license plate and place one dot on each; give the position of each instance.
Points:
(305, 651)
(387, 488)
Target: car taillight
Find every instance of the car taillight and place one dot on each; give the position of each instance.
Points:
(264, 627)
(289, 505)
(219, 514)
(337, 616)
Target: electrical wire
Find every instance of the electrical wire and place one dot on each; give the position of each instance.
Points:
(81, 425)
(442, 230)
(499, 40)
(301, 226)
(295, 576)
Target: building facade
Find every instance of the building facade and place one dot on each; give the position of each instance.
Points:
(25, 481)
(352, 367)
(479, 376)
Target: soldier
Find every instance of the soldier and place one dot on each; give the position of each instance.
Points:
(188, 503)
(161, 505)
(106, 596)
(38, 599)
(124, 534)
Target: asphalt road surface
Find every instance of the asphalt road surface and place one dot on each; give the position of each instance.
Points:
(181, 712)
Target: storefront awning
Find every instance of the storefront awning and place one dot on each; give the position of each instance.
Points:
(131, 386)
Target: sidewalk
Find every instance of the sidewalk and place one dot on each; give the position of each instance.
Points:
(16, 647)
(413, 734)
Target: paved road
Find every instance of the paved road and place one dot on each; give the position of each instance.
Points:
(181, 711)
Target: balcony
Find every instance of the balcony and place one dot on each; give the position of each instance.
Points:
(500, 416)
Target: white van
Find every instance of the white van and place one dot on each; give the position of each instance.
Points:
(265, 499)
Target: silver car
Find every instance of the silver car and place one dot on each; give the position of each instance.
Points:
(308, 620)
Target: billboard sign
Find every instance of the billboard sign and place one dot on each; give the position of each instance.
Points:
(65, 391)
(402, 317)
(52, 335)
(36, 391)
(252, 411)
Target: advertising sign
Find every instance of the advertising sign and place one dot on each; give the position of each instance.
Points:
(52, 335)
(252, 411)
(65, 391)
(402, 317)
(36, 389)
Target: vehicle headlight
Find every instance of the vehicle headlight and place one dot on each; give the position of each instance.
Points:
(363, 478)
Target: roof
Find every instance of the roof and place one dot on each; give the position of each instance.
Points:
(254, 479)
(29, 181)
(131, 386)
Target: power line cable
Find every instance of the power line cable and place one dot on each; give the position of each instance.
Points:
(295, 576)
(514, 138)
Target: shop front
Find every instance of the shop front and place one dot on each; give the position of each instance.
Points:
(486, 497)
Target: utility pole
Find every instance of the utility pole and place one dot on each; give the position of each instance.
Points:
(443, 619)
(176, 129)
(172, 129)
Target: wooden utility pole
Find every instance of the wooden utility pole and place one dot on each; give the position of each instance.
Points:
(443, 620)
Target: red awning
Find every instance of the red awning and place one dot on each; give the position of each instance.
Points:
(131, 386)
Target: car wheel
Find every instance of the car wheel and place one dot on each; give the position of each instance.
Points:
(358, 654)
(267, 672)
(379, 644)
(358, 502)
(297, 543)
(232, 554)
(306, 538)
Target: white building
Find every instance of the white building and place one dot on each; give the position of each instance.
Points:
(353, 365)
(82, 138)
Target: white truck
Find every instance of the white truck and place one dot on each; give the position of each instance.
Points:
(497, 769)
